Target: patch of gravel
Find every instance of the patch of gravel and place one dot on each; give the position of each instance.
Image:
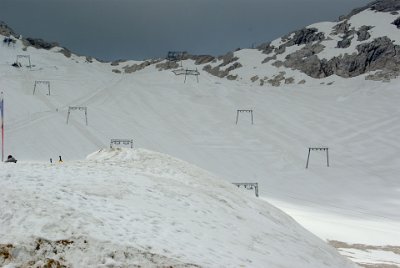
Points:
(44, 253)
(394, 249)
(137, 67)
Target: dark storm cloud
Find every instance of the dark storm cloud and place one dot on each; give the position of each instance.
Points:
(138, 29)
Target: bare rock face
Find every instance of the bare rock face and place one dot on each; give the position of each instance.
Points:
(306, 36)
(66, 52)
(5, 30)
(217, 71)
(289, 80)
(380, 54)
(226, 60)
(277, 80)
(277, 63)
(342, 28)
(378, 5)
(266, 48)
(384, 76)
(385, 5)
(117, 62)
(167, 65)
(202, 59)
(306, 60)
(363, 34)
(345, 43)
(348, 34)
(137, 67)
(254, 78)
(40, 43)
(397, 23)
(281, 49)
(267, 59)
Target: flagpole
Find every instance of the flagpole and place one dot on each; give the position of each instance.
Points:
(2, 126)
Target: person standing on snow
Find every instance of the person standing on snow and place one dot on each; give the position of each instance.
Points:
(10, 159)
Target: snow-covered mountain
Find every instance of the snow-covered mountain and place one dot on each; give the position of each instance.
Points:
(296, 105)
(366, 42)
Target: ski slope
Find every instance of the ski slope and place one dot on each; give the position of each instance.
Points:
(355, 200)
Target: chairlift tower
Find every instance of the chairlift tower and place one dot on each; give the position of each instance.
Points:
(326, 149)
(248, 186)
(244, 111)
(187, 72)
(39, 82)
(28, 57)
(77, 108)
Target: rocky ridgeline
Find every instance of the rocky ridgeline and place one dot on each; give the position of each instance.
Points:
(6, 30)
(38, 43)
(392, 6)
(378, 54)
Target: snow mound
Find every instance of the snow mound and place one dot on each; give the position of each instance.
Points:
(113, 154)
(125, 207)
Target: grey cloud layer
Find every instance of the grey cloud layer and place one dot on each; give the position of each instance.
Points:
(138, 29)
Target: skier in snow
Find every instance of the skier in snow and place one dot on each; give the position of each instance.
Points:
(11, 159)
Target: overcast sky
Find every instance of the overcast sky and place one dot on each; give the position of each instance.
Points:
(140, 29)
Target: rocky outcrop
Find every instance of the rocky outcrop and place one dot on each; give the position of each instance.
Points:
(306, 36)
(202, 59)
(217, 71)
(380, 54)
(267, 59)
(289, 80)
(378, 5)
(65, 52)
(345, 43)
(137, 67)
(384, 76)
(363, 34)
(254, 78)
(6, 31)
(117, 62)
(226, 59)
(277, 80)
(266, 48)
(306, 52)
(397, 23)
(167, 65)
(40, 43)
(341, 28)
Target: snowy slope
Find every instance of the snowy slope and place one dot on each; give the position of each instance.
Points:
(354, 201)
(123, 203)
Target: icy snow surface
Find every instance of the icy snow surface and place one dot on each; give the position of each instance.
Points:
(150, 202)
